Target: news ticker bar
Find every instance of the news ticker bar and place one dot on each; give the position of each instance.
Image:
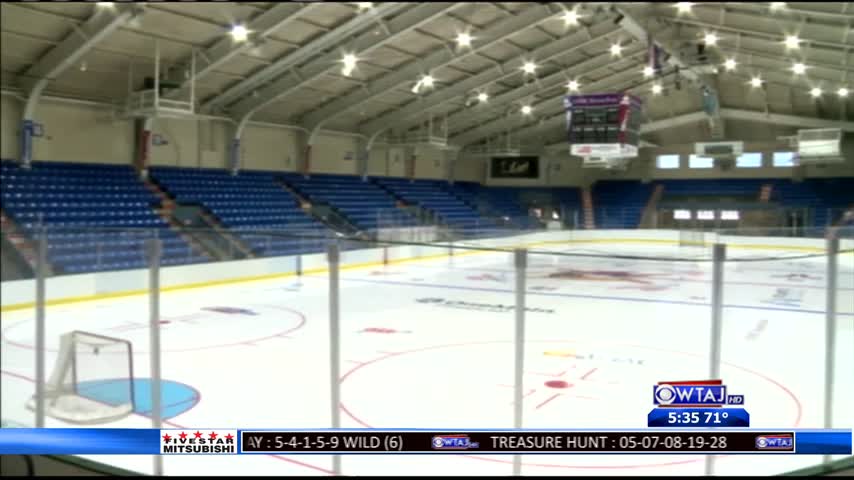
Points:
(106, 441)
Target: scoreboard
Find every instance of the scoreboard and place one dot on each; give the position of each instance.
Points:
(605, 125)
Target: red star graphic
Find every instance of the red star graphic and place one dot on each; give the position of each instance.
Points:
(183, 435)
(229, 436)
(166, 438)
(198, 434)
(213, 435)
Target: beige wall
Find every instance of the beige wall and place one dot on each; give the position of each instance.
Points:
(88, 133)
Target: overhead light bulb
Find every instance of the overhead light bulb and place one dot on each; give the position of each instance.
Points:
(778, 5)
(464, 39)
(648, 71)
(792, 41)
(730, 64)
(799, 68)
(572, 85)
(427, 81)
(529, 67)
(349, 62)
(104, 4)
(684, 7)
(842, 92)
(239, 33)
(815, 92)
(570, 17)
(657, 89)
(482, 97)
(364, 5)
(616, 49)
(526, 110)
(710, 39)
(756, 82)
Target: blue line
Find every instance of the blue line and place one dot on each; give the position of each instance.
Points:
(594, 297)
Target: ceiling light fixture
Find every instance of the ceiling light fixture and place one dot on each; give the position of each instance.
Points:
(842, 92)
(710, 39)
(756, 82)
(730, 64)
(799, 68)
(349, 62)
(684, 7)
(239, 33)
(573, 85)
(616, 49)
(777, 5)
(815, 92)
(529, 67)
(657, 89)
(526, 110)
(792, 41)
(464, 39)
(364, 5)
(570, 17)
(648, 71)
(482, 97)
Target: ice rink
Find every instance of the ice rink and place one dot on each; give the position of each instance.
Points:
(429, 344)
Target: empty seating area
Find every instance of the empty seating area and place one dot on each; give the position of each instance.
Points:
(97, 217)
(620, 203)
(267, 218)
(505, 202)
(429, 195)
(707, 188)
(826, 198)
(364, 204)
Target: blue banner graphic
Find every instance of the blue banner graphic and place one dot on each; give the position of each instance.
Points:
(698, 417)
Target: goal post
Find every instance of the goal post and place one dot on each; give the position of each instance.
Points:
(92, 380)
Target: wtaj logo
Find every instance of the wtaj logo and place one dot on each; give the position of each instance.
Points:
(775, 442)
(198, 442)
(453, 442)
(694, 393)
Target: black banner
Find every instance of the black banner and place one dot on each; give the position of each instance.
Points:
(516, 167)
(493, 442)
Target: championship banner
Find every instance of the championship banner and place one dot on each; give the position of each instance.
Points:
(117, 441)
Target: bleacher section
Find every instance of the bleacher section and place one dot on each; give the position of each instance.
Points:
(748, 188)
(826, 197)
(505, 201)
(364, 204)
(429, 195)
(266, 217)
(97, 216)
(620, 203)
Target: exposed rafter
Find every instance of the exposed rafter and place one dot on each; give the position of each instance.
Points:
(77, 44)
(498, 32)
(328, 41)
(224, 49)
(364, 44)
(508, 120)
(406, 115)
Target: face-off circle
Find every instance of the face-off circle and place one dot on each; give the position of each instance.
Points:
(599, 385)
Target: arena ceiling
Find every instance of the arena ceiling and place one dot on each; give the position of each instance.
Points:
(480, 71)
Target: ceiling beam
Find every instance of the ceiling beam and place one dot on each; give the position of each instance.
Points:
(225, 48)
(80, 41)
(505, 122)
(499, 31)
(403, 116)
(542, 86)
(707, 83)
(328, 41)
(367, 42)
(786, 120)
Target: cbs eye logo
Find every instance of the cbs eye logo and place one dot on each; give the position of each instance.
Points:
(664, 394)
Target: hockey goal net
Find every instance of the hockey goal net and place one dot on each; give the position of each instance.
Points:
(692, 238)
(92, 380)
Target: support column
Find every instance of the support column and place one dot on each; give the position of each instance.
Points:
(363, 155)
(235, 147)
(451, 157)
(303, 153)
(410, 157)
(830, 331)
(715, 338)
(144, 127)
